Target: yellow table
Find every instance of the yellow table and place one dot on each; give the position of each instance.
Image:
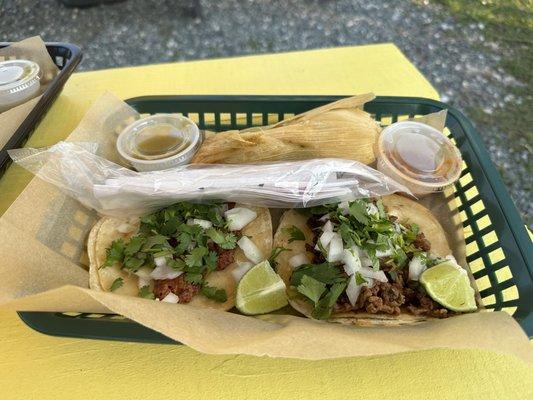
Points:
(33, 365)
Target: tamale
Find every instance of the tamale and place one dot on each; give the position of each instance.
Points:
(340, 129)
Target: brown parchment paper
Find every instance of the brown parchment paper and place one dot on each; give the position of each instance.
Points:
(32, 49)
(43, 268)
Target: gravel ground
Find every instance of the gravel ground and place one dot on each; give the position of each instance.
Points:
(139, 32)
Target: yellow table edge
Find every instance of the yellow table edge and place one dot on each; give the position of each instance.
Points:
(39, 366)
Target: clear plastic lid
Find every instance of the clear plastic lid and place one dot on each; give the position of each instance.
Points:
(150, 140)
(420, 154)
(17, 75)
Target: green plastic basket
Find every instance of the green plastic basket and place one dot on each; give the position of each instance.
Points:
(499, 250)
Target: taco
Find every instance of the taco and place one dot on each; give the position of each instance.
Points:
(360, 262)
(185, 253)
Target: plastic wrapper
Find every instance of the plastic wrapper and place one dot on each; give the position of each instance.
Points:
(116, 191)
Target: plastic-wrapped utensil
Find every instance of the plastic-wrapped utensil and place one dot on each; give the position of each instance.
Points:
(116, 191)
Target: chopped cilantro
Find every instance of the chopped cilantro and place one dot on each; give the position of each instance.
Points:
(184, 241)
(195, 258)
(177, 264)
(276, 251)
(411, 232)
(115, 253)
(166, 252)
(134, 263)
(381, 209)
(155, 243)
(134, 245)
(311, 288)
(358, 211)
(214, 293)
(210, 260)
(224, 240)
(295, 233)
(117, 283)
(322, 249)
(325, 273)
(359, 280)
(383, 226)
(146, 292)
(194, 278)
(325, 304)
(399, 257)
(348, 234)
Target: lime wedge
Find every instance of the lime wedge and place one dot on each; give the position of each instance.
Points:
(260, 291)
(448, 284)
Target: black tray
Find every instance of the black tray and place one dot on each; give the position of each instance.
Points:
(66, 56)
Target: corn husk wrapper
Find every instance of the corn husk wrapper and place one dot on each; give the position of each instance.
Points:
(337, 130)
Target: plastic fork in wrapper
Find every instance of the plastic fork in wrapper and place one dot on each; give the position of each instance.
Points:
(113, 190)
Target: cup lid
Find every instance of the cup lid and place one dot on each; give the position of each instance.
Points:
(16, 75)
(420, 153)
(159, 137)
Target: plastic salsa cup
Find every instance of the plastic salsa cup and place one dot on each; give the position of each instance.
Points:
(159, 142)
(418, 156)
(19, 82)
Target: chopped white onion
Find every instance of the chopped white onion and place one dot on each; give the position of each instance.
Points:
(363, 256)
(241, 269)
(144, 272)
(344, 207)
(371, 274)
(325, 238)
(239, 217)
(160, 261)
(298, 259)
(328, 227)
(366, 272)
(384, 253)
(397, 227)
(369, 282)
(251, 251)
(324, 217)
(165, 272)
(353, 290)
(380, 276)
(371, 209)
(125, 228)
(351, 261)
(416, 267)
(202, 222)
(144, 282)
(171, 298)
(335, 248)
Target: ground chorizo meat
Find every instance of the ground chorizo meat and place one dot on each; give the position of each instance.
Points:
(225, 256)
(179, 286)
(381, 298)
(313, 222)
(421, 242)
(422, 304)
(318, 257)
